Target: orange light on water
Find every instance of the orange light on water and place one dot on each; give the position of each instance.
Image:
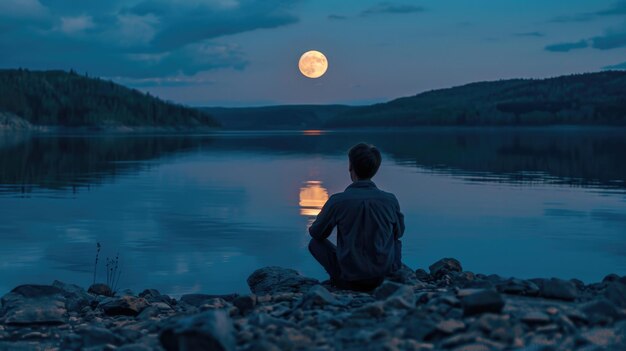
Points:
(313, 196)
(312, 132)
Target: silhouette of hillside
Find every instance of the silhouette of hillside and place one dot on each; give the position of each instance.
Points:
(58, 98)
(582, 99)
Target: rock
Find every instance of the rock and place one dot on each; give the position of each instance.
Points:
(34, 304)
(135, 347)
(201, 299)
(149, 293)
(270, 280)
(616, 293)
(477, 346)
(76, 298)
(535, 317)
(600, 311)
(374, 310)
(419, 326)
(209, 330)
(515, 286)
(482, 301)
(610, 278)
(403, 298)
(386, 289)
(444, 266)
(450, 326)
(423, 276)
(245, 303)
(317, 296)
(94, 336)
(100, 289)
(124, 306)
(599, 337)
(404, 275)
(558, 289)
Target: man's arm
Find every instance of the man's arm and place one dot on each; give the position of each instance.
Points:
(398, 229)
(324, 222)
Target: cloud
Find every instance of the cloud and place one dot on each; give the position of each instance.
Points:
(612, 39)
(565, 47)
(619, 66)
(530, 34)
(391, 8)
(619, 8)
(22, 9)
(74, 25)
(191, 21)
(152, 40)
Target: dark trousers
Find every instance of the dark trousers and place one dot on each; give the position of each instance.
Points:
(325, 252)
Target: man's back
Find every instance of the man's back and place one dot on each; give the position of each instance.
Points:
(369, 224)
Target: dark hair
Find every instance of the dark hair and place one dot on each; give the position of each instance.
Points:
(365, 160)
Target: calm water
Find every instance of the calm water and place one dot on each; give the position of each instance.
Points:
(200, 213)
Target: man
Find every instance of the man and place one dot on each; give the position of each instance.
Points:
(369, 225)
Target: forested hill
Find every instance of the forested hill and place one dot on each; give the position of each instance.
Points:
(67, 99)
(582, 99)
(276, 117)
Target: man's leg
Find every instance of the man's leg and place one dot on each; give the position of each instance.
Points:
(325, 253)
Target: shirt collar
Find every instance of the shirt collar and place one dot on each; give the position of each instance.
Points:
(362, 184)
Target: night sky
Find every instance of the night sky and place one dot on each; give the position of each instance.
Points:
(245, 53)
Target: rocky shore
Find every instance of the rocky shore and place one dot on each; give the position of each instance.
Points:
(445, 308)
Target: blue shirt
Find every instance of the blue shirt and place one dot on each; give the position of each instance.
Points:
(369, 224)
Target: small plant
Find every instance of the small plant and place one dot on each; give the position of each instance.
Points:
(95, 265)
(113, 269)
(113, 272)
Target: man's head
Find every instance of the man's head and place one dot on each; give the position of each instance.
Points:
(364, 161)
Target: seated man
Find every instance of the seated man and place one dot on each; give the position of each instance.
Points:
(369, 225)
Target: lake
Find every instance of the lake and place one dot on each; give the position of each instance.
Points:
(199, 213)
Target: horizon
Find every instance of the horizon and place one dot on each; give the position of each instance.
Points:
(245, 53)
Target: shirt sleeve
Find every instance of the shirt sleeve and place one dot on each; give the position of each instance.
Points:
(324, 222)
(398, 229)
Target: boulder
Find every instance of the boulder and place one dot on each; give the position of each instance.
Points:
(201, 299)
(210, 330)
(616, 293)
(76, 298)
(482, 301)
(270, 280)
(557, 289)
(124, 306)
(445, 266)
(600, 311)
(610, 278)
(100, 289)
(34, 304)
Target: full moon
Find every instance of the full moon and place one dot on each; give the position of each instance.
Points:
(313, 64)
